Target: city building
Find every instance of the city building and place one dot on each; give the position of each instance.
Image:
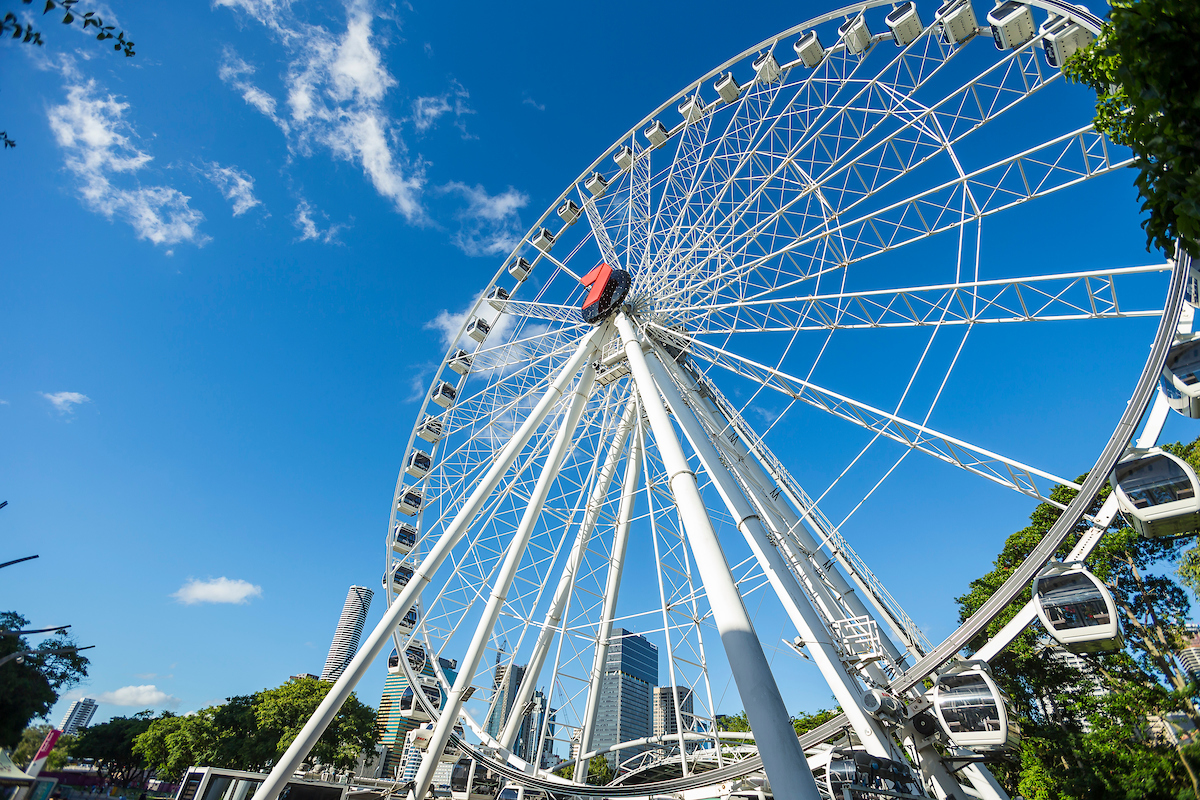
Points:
(506, 683)
(665, 721)
(304, 676)
(349, 630)
(392, 727)
(1189, 654)
(78, 716)
(626, 693)
(410, 763)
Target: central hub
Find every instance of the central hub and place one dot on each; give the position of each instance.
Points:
(609, 286)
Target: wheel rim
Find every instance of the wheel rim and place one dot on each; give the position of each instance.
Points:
(743, 245)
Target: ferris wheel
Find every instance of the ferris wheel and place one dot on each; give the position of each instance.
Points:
(606, 460)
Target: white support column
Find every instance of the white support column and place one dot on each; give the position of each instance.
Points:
(557, 605)
(754, 462)
(504, 578)
(806, 619)
(612, 588)
(778, 745)
(378, 639)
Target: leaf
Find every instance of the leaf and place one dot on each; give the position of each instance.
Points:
(68, 19)
(50, 5)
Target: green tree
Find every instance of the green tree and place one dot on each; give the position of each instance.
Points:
(1145, 70)
(30, 688)
(251, 732)
(32, 739)
(1085, 731)
(110, 745)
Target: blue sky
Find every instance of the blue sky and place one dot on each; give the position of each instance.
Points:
(224, 264)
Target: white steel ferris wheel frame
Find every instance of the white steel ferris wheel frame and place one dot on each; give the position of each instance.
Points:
(666, 401)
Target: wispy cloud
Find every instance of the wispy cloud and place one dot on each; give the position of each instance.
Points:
(99, 151)
(489, 224)
(217, 590)
(428, 110)
(148, 696)
(529, 101)
(237, 186)
(335, 87)
(65, 402)
(307, 226)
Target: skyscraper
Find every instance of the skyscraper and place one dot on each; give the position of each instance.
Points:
(506, 681)
(665, 721)
(349, 629)
(630, 675)
(78, 716)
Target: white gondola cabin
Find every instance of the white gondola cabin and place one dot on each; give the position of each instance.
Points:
(393, 665)
(418, 464)
(656, 134)
(430, 429)
(444, 394)
(460, 362)
(905, 24)
(766, 68)
(858, 768)
(1061, 38)
(568, 212)
(415, 654)
(728, 87)
(422, 735)
(478, 328)
(623, 158)
(409, 705)
(958, 21)
(1012, 24)
(597, 184)
(1180, 379)
(409, 501)
(544, 239)
(1157, 493)
(408, 623)
(520, 269)
(404, 538)
(497, 297)
(692, 108)
(810, 50)
(972, 710)
(1077, 609)
(401, 575)
(471, 780)
(855, 34)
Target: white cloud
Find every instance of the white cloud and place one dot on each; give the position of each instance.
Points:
(217, 590)
(308, 227)
(98, 147)
(148, 696)
(235, 185)
(335, 86)
(65, 402)
(489, 224)
(529, 101)
(427, 110)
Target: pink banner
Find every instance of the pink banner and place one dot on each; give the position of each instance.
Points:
(35, 767)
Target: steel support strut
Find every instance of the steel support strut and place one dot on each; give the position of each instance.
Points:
(508, 571)
(612, 589)
(783, 758)
(808, 622)
(558, 604)
(408, 597)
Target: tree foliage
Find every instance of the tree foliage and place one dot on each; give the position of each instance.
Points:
(110, 745)
(29, 689)
(1087, 732)
(1145, 69)
(251, 732)
(25, 32)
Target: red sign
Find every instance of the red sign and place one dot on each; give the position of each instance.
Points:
(608, 287)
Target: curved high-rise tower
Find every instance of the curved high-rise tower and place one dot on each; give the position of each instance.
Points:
(349, 630)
